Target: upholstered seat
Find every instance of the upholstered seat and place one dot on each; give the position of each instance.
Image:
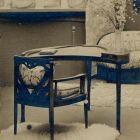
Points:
(32, 77)
(66, 89)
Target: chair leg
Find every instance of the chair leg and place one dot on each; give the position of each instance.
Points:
(51, 123)
(15, 117)
(86, 115)
(22, 113)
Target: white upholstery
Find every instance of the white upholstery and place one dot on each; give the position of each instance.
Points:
(131, 43)
(32, 77)
(130, 40)
(67, 89)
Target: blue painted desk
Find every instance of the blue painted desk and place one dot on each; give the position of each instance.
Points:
(87, 54)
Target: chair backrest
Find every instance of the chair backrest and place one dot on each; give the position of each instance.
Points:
(28, 90)
(130, 40)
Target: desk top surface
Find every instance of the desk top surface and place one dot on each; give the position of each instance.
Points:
(66, 51)
(82, 52)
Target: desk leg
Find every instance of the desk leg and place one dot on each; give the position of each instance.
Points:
(89, 69)
(118, 96)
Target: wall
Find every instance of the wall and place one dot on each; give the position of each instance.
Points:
(16, 38)
(130, 25)
(133, 26)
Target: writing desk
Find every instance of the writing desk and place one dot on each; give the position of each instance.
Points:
(87, 54)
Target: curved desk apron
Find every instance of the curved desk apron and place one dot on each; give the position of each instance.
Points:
(88, 54)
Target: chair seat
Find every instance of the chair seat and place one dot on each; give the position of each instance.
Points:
(67, 93)
(65, 90)
(32, 77)
(69, 100)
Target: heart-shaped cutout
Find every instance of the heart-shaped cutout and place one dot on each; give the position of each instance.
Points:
(31, 77)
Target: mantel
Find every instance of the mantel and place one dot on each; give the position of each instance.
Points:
(42, 10)
(39, 15)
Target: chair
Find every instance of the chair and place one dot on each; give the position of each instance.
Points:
(45, 92)
(130, 71)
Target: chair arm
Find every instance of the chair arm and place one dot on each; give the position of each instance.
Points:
(70, 78)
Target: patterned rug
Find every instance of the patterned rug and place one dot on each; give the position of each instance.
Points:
(62, 132)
